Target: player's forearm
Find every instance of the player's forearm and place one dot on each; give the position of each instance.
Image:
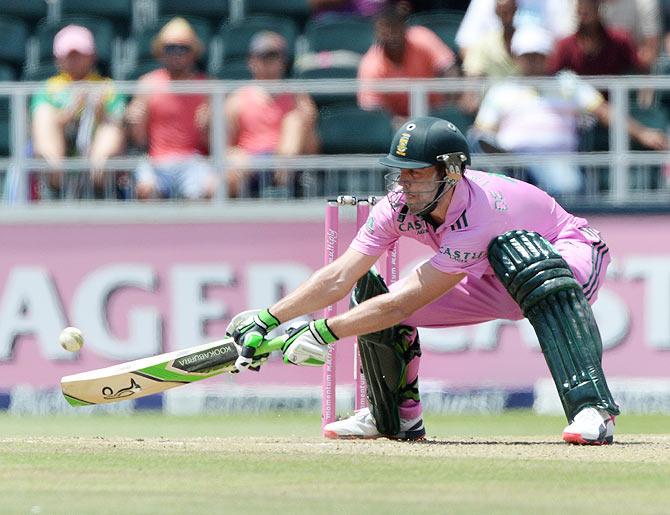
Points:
(323, 288)
(372, 315)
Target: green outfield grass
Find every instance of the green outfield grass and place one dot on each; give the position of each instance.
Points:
(278, 463)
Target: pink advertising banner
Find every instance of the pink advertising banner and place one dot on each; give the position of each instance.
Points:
(142, 289)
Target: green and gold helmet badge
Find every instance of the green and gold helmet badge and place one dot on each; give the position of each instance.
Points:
(401, 149)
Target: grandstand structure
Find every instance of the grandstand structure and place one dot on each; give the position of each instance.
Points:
(617, 172)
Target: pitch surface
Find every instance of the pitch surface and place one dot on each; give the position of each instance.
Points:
(261, 464)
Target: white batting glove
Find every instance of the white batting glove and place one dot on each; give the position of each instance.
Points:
(308, 344)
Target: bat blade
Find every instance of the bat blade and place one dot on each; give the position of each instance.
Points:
(150, 375)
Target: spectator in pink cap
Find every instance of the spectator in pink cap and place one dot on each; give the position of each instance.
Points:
(70, 119)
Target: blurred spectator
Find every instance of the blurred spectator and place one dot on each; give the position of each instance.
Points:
(174, 127)
(492, 55)
(402, 52)
(261, 123)
(480, 19)
(595, 49)
(642, 20)
(515, 117)
(74, 121)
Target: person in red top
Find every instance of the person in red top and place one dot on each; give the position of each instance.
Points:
(260, 123)
(595, 49)
(174, 127)
(402, 52)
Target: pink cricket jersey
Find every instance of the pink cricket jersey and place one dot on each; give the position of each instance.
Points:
(484, 206)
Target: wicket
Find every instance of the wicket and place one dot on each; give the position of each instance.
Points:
(331, 252)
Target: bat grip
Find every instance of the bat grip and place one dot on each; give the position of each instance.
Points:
(269, 346)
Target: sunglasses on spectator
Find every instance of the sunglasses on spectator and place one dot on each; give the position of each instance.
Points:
(270, 56)
(176, 49)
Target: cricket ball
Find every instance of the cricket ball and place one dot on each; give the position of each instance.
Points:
(71, 339)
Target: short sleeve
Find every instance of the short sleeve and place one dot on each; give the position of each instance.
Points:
(479, 19)
(461, 252)
(378, 233)
(441, 56)
(41, 98)
(585, 96)
(474, 62)
(628, 52)
(558, 60)
(51, 93)
(115, 106)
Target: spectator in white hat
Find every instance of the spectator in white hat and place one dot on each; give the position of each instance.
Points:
(69, 119)
(519, 118)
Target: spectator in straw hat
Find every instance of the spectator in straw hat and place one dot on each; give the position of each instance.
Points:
(174, 127)
(75, 121)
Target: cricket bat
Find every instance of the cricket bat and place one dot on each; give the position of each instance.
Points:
(155, 374)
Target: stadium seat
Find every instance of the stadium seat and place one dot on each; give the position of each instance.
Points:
(7, 73)
(453, 114)
(142, 67)
(214, 10)
(119, 11)
(234, 70)
(333, 72)
(144, 39)
(299, 10)
(13, 38)
(41, 72)
(349, 130)
(102, 29)
(5, 135)
(339, 33)
(29, 10)
(236, 36)
(444, 23)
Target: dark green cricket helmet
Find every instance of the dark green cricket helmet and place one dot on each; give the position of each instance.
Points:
(423, 142)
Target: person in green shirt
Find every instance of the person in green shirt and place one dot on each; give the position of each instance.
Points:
(75, 121)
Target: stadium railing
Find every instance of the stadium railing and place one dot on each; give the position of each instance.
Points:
(620, 177)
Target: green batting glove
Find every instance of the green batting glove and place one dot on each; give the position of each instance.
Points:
(308, 343)
(250, 334)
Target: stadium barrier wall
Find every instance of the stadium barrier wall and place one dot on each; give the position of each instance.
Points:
(140, 288)
(620, 177)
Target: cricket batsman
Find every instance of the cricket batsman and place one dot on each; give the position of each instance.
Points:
(503, 249)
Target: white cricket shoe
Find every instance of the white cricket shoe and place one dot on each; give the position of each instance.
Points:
(362, 425)
(591, 426)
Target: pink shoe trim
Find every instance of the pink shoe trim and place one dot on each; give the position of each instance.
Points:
(576, 439)
(332, 435)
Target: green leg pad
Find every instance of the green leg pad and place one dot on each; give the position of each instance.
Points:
(541, 282)
(384, 358)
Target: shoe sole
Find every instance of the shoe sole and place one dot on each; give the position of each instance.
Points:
(332, 435)
(576, 439)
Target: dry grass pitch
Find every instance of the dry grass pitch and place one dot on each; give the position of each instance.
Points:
(513, 463)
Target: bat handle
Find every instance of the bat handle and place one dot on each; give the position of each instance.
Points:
(271, 345)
